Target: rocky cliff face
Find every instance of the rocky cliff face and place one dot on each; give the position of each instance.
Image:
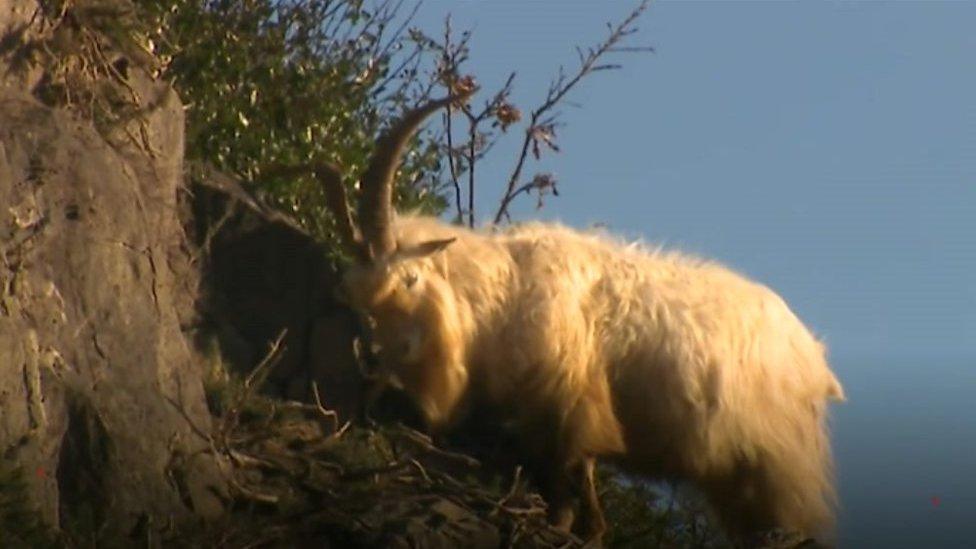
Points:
(101, 397)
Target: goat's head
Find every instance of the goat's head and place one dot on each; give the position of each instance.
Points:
(394, 284)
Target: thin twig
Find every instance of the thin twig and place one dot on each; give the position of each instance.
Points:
(329, 414)
(251, 382)
(251, 494)
(557, 91)
(423, 472)
(260, 371)
(514, 487)
(449, 70)
(427, 444)
(472, 143)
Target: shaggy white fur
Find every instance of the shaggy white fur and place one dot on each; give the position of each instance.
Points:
(669, 365)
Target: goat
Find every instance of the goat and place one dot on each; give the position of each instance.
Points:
(666, 365)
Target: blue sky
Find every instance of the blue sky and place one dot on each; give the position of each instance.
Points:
(827, 149)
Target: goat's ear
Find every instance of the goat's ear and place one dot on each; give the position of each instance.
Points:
(424, 249)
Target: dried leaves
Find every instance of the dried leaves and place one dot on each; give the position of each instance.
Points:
(539, 128)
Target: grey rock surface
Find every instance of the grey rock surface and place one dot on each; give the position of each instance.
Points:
(101, 397)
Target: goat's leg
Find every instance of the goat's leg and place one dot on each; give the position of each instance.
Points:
(563, 488)
(591, 512)
(560, 496)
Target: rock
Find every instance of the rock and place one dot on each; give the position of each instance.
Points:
(15, 29)
(101, 396)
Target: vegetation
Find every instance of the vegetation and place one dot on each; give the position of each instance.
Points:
(271, 84)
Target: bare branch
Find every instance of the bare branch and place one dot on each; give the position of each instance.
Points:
(560, 86)
(449, 71)
(250, 385)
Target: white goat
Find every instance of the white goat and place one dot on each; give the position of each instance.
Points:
(669, 366)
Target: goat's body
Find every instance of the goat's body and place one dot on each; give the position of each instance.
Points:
(672, 366)
(592, 349)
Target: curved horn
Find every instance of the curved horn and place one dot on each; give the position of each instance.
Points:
(338, 203)
(335, 198)
(376, 198)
